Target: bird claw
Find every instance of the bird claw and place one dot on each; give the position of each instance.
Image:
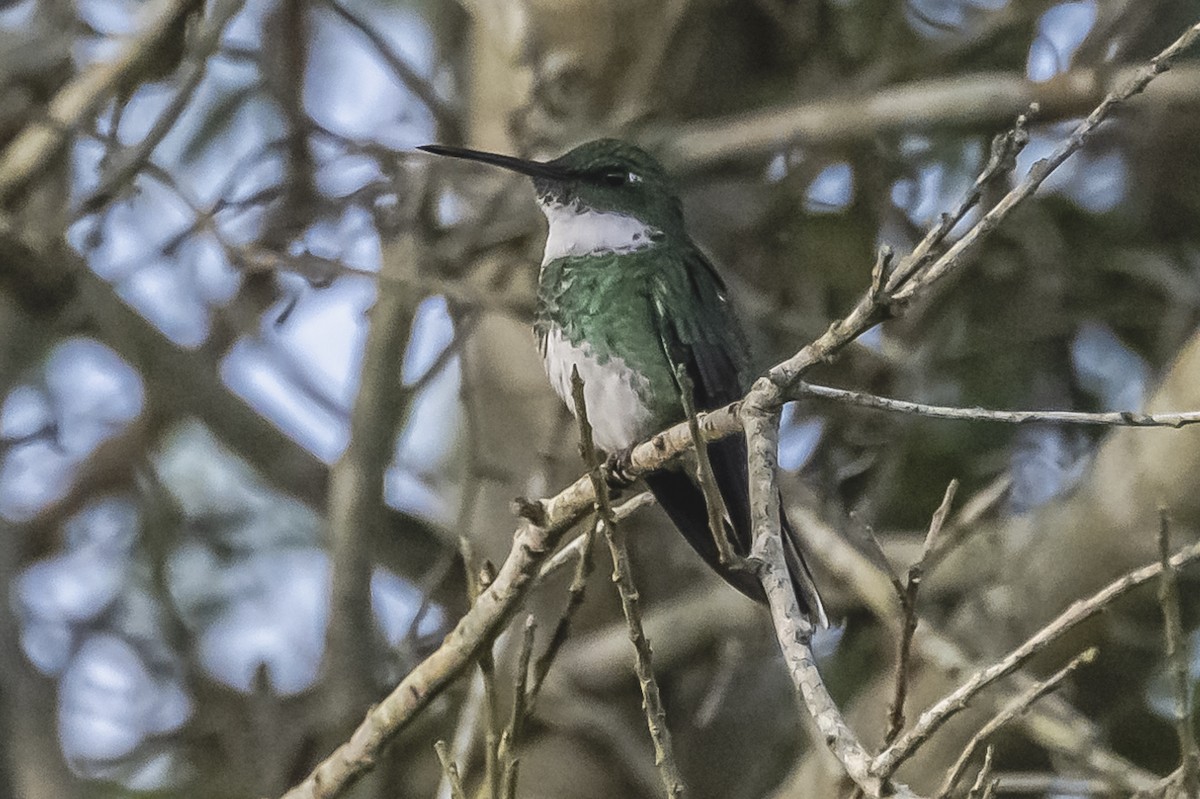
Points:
(616, 469)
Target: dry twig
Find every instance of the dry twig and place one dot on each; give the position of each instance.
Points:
(573, 549)
(507, 753)
(714, 503)
(1052, 723)
(908, 603)
(127, 163)
(656, 713)
(1014, 708)
(424, 91)
(575, 593)
(933, 718)
(983, 788)
(1112, 419)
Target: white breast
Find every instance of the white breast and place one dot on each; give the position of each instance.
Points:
(619, 417)
(581, 231)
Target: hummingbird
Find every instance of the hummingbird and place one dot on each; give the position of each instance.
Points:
(628, 299)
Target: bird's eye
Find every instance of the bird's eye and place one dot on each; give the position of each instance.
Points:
(615, 178)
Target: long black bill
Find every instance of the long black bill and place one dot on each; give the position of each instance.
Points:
(534, 169)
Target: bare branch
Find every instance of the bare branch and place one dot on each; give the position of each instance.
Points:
(507, 753)
(1111, 419)
(125, 164)
(793, 628)
(933, 718)
(982, 787)
(574, 548)
(1043, 169)
(356, 483)
(1002, 161)
(908, 602)
(1014, 708)
(575, 593)
(980, 100)
(714, 503)
(1052, 723)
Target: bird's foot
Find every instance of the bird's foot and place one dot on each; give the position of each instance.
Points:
(616, 469)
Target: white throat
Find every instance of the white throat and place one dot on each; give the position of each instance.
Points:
(583, 231)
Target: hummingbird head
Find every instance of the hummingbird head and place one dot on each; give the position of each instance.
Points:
(605, 176)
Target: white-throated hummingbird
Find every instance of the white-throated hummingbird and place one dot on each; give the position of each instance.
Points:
(626, 297)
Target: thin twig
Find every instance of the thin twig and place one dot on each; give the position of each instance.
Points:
(1043, 784)
(1002, 160)
(470, 716)
(964, 522)
(714, 503)
(478, 578)
(562, 630)
(1010, 711)
(656, 713)
(1112, 419)
(908, 603)
(1166, 788)
(516, 722)
(450, 770)
(1053, 723)
(890, 759)
(1043, 169)
(491, 703)
(571, 550)
(977, 790)
(1177, 660)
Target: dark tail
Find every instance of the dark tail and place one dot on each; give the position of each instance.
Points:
(683, 501)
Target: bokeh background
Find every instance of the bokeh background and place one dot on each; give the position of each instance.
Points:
(263, 368)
